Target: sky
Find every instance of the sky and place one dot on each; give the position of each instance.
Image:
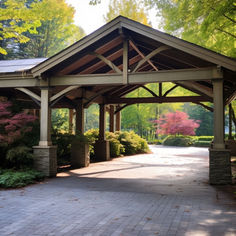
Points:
(90, 18)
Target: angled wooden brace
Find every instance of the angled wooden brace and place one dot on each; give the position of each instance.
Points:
(150, 55)
(108, 62)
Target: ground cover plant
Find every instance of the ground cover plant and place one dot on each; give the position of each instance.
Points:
(11, 178)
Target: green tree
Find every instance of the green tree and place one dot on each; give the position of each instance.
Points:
(199, 113)
(55, 29)
(15, 19)
(209, 23)
(132, 9)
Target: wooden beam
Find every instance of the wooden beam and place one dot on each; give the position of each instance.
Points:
(108, 62)
(171, 89)
(63, 93)
(30, 93)
(87, 80)
(149, 90)
(197, 87)
(205, 106)
(150, 55)
(194, 74)
(125, 61)
(231, 98)
(112, 100)
(91, 99)
(121, 108)
(21, 81)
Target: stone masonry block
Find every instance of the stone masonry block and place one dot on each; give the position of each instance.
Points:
(46, 159)
(220, 166)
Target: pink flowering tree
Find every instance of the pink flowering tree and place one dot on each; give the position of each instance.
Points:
(13, 126)
(176, 123)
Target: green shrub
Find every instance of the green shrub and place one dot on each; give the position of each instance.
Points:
(202, 143)
(132, 143)
(205, 138)
(155, 141)
(15, 179)
(116, 148)
(179, 140)
(19, 157)
(63, 143)
(92, 136)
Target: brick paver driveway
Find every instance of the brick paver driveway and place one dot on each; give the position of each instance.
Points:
(164, 193)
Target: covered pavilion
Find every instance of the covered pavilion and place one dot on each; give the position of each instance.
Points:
(105, 66)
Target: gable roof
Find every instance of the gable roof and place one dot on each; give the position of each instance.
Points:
(122, 24)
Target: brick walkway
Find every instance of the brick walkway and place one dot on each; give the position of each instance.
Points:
(164, 193)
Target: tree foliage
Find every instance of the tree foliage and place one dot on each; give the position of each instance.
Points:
(13, 126)
(209, 23)
(36, 28)
(176, 123)
(132, 9)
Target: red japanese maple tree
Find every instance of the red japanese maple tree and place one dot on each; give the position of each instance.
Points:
(176, 123)
(13, 126)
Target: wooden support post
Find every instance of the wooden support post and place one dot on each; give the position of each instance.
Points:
(102, 147)
(220, 165)
(230, 122)
(118, 120)
(102, 121)
(125, 61)
(71, 116)
(45, 119)
(45, 155)
(218, 98)
(79, 124)
(112, 121)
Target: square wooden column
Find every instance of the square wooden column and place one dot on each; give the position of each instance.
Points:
(79, 150)
(112, 120)
(45, 154)
(220, 163)
(79, 123)
(102, 148)
(118, 120)
(219, 124)
(45, 118)
(70, 121)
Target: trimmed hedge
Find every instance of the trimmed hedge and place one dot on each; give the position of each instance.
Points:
(182, 141)
(202, 143)
(205, 138)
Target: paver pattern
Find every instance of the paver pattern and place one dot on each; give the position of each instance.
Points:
(164, 193)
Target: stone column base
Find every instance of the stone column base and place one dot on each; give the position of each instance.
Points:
(102, 150)
(231, 145)
(80, 155)
(220, 166)
(46, 160)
